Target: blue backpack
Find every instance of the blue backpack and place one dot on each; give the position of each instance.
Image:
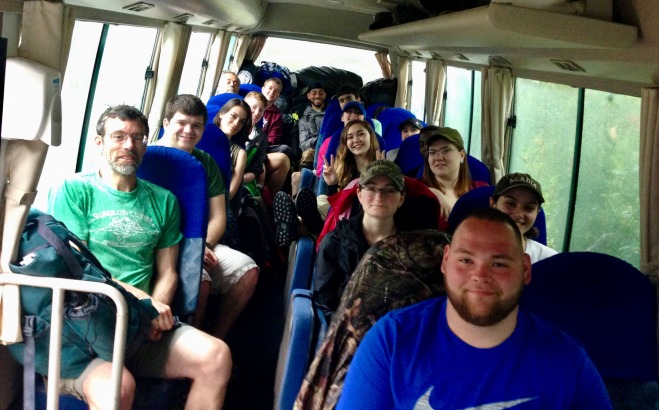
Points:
(48, 249)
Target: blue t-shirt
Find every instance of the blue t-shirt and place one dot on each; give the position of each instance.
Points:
(411, 359)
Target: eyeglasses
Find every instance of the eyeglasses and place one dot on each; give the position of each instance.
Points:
(386, 191)
(120, 138)
(440, 152)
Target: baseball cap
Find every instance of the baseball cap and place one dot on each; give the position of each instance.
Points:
(385, 168)
(316, 85)
(412, 121)
(450, 134)
(354, 104)
(518, 180)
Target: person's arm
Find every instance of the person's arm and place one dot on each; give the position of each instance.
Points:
(328, 276)
(369, 373)
(238, 171)
(307, 136)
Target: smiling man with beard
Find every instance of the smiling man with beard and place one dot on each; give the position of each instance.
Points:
(474, 349)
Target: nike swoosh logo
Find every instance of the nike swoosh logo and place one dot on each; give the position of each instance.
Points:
(424, 403)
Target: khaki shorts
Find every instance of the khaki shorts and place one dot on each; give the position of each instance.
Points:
(231, 267)
(148, 361)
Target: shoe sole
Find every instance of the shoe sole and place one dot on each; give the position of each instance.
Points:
(285, 218)
(307, 208)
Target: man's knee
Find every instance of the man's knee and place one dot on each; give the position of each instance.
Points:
(98, 389)
(215, 360)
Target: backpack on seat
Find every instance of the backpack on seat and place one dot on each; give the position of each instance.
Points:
(48, 249)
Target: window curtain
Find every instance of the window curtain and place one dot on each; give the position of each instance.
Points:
(382, 58)
(218, 55)
(404, 92)
(256, 43)
(167, 67)
(435, 86)
(497, 97)
(242, 43)
(649, 182)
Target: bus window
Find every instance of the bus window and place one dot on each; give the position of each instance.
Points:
(127, 54)
(543, 146)
(607, 205)
(476, 118)
(462, 106)
(194, 58)
(358, 61)
(418, 103)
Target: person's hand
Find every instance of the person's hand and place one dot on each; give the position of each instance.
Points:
(329, 171)
(210, 259)
(380, 155)
(445, 206)
(164, 321)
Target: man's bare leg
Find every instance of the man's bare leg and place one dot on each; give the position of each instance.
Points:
(97, 388)
(277, 166)
(234, 302)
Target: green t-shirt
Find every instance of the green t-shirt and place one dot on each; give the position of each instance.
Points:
(122, 229)
(214, 179)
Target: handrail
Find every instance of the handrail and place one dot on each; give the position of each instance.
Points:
(59, 285)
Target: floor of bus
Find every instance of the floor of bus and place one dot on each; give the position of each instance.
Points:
(254, 341)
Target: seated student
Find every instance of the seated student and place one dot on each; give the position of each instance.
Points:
(381, 192)
(358, 148)
(520, 197)
(476, 348)
(257, 145)
(310, 122)
(228, 87)
(231, 273)
(446, 171)
(132, 227)
(280, 156)
(411, 126)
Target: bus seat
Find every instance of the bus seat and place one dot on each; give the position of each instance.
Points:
(391, 119)
(297, 348)
(609, 306)
(480, 198)
(216, 102)
(409, 157)
(301, 263)
(372, 108)
(307, 179)
(247, 88)
(478, 171)
(331, 118)
(185, 177)
(217, 145)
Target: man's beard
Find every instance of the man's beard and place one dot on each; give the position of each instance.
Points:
(127, 170)
(498, 312)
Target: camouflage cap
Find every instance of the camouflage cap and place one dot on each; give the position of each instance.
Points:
(385, 168)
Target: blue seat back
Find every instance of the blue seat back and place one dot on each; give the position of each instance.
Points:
(603, 302)
(409, 157)
(297, 348)
(478, 171)
(217, 145)
(247, 88)
(480, 198)
(301, 263)
(183, 175)
(391, 118)
(307, 179)
(216, 102)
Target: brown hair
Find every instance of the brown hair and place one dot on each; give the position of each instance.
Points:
(462, 185)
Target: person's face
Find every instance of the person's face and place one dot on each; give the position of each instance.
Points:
(233, 121)
(257, 109)
(485, 270)
(444, 159)
(317, 97)
(408, 130)
(271, 90)
(183, 131)
(123, 145)
(229, 83)
(380, 198)
(346, 98)
(358, 140)
(352, 114)
(521, 205)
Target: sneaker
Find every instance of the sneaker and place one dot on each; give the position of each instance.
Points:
(307, 208)
(285, 218)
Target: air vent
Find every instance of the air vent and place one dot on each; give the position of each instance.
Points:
(182, 18)
(499, 61)
(568, 65)
(462, 57)
(140, 6)
(209, 22)
(435, 55)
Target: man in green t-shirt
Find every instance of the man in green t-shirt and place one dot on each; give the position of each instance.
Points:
(232, 274)
(132, 227)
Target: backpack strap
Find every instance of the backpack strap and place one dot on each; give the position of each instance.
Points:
(29, 369)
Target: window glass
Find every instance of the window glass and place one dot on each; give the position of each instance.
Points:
(62, 160)
(457, 106)
(475, 139)
(127, 54)
(543, 146)
(194, 58)
(607, 218)
(418, 104)
(296, 55)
